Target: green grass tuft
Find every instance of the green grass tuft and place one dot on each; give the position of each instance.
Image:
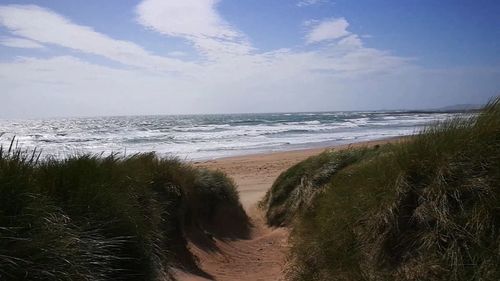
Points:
(294, 189)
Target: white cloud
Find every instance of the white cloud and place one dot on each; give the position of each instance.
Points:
(352, 40)
(15, 42)
(203, 26)
(197, 21)
(232, 76)
(66, 85)
(329, 29)
(45, 26)
(185, 18)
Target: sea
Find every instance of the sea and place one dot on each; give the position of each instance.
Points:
(203, 137)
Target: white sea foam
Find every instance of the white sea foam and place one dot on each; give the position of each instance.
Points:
(209, 136)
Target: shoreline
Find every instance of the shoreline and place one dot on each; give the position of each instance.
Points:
(313, 147)
(262, 255)
(255, 173)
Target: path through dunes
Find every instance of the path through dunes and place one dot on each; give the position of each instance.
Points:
(261, 256)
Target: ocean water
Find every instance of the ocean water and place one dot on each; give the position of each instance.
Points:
(197, 137)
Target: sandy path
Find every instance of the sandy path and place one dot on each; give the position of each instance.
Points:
(259, 258)
(254, 174)
(262, 256)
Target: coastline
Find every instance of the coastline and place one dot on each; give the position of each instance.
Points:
(255, 173)
(263, 255)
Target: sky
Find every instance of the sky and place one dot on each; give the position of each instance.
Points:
(123, 57)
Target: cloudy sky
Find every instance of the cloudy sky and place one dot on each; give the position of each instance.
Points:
(121, 57)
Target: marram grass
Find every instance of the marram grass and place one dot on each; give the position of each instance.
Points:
(427, 208)
(103, 218)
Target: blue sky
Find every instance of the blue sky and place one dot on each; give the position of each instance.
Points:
(117, 57)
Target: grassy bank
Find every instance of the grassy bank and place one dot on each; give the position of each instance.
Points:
(106, 218)
(424, 209)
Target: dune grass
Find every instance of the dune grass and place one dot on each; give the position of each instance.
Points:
(295, 188)
(423, 209)
(103, 218)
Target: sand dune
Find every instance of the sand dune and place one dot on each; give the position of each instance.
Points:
(262, 256)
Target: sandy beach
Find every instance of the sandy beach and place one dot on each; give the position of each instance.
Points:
(254, 174)
(262, 256)
(260, 140)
